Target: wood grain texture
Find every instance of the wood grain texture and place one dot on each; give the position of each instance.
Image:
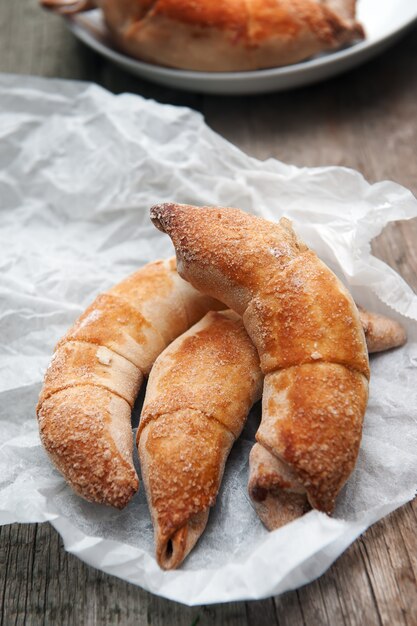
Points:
(365, 119)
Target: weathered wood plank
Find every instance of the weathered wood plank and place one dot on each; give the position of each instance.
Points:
(390, 571)
(33, 41)
(261, 613)
(363, 119)
(42, 584)
(288, 609)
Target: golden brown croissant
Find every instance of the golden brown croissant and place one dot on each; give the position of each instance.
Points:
(226, 35)
(306, 328)
(90, 387)
(275, 503)
(199, 393)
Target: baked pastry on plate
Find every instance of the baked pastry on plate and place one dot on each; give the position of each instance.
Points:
(223, 35)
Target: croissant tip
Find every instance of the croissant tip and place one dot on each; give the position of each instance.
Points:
(116, 494)
(171, 550)
(159, 214)
(280, 507)
(173, 547)
(256, 492)
(128, 495)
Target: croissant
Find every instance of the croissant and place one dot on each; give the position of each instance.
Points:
(85, 404)
(308, 334)
(381, 333)
(275, 505)
(199, 393)
(228, 35)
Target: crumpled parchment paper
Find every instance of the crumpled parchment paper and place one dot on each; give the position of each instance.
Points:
(79, 169)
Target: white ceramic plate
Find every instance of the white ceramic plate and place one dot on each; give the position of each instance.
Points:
(384, 22)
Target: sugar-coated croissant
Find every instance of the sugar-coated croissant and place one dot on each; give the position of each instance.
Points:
(276, 503)
(308, 334)
(90, 387)
(227, 35)
(199, 393)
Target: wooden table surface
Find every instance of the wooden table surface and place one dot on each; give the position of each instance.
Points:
(366, 119)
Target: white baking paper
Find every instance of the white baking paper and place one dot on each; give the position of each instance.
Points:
(79, 169)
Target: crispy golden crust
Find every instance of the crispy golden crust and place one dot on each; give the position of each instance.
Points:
(276, 493)
(104, 357)
(199, 393)
(305, 326)
(77, 363)
(86, 431)
(312, 419)
(199, 369)
(153, 292)
(112, 322)
(265, 273)
(219, 252)
(294, 321)
(226, 35)
(223, 14)
(182, 459)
